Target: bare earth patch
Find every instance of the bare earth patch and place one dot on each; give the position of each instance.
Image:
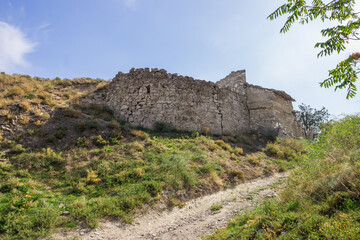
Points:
(199, 218)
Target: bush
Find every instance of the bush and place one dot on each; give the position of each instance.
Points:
(82, 142)
(239, 151)
(61, 132)
(223, 145)
(99, 141)
(253, 159)
(195, 134)
(72, 113)
(140, 134)
(18, 148)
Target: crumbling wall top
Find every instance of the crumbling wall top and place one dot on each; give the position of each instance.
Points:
(153, 73)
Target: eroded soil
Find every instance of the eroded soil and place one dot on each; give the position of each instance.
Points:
(195, 220)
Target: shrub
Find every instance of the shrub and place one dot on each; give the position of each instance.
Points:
(18, 148)
(30, 96)
(61, 132)
(239, 151)
(195, 134)
(243, 139)
(113, 124)
(216, 207)
(89, 124)
(212, 146)
(223, 145)
(273, 150)
(229, 139)
(135, 147)
(25, 120)
(238, 173)
(82, 142)
(115, 136)
(92, 177)
(15, 91)
(205, 131)
(140, 134)
(70, 112)
(25, 106)
(99, 141)
(45, 116)
(253, 159)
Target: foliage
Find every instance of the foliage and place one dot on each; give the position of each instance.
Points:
(343, 13)
(41, 191)
(311, 118)
(322, 196)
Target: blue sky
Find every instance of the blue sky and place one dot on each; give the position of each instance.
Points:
(205, 39)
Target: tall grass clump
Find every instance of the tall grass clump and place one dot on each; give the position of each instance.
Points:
(322, 197)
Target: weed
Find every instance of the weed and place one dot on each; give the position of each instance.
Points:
(99, 141)
(25, 120)
(140, 134)
(195, 134)
(205, 131)
(216, 207)
(18, 148)
(70, 112)
(61, 132)
(25, 106)
(239, 151)
(223, 145)
(253, 159)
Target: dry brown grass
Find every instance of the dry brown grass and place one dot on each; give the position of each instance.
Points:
(25, 120)
(37, 112)
(216, 179)
(253, 159)
(239, 150)
(19, 88)
(26, 106)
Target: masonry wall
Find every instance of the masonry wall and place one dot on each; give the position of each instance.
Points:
(272, 110)
(143, 97)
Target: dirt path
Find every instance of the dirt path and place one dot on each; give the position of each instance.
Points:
(194, 220)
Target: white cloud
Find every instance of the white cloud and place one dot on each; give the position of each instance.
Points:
(13, 47)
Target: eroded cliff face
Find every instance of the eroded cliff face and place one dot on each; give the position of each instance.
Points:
(231, 106)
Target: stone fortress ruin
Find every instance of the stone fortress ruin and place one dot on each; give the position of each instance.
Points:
(231, 106)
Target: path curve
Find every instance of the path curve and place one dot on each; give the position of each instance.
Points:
(193, 221)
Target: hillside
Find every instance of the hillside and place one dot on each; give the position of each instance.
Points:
(322, 198)
(63, 164)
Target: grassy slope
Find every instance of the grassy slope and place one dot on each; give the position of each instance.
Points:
(322, 199)
(79, 164)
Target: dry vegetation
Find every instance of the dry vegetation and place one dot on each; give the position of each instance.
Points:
(63, 163)
(322, 199)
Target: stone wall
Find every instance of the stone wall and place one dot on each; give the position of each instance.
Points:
(272, 110)
(143, 97)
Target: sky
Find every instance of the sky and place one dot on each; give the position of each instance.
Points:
(204, 39)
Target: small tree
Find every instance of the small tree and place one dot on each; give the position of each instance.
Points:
(311, 118)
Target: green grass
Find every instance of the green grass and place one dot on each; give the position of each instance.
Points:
(76, 165)
(47, 189)
(322, 198)
(216, 207)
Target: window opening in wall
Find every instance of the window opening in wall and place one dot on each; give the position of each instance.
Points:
(148, 89)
